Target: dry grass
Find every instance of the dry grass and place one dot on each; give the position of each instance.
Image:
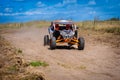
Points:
(101, 31)
(12, 66)
(27, 24)
(102, 26)
(10, 25)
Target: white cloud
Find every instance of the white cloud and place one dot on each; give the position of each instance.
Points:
(9, 14)
(65, 2)
(33, 13)
(92, 2)
(69, 1)
(88, 8)
(59, 5)
(40, 4)
(8, 9)
(27, 13)
(92, 12)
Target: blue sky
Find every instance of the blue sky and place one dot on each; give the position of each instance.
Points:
(77, 10)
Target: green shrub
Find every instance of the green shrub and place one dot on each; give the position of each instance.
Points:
(39, 63)
(19, 51)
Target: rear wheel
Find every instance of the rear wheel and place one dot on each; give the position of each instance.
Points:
(81, 43)
(46, 40)
(53, 43)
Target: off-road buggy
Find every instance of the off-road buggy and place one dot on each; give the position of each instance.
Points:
(63, 31)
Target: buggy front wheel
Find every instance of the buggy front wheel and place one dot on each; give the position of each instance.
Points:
(81, 43)
(53, 43)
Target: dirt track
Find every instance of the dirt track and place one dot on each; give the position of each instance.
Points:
(96, 62)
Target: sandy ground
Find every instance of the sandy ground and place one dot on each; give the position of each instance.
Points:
(97, 62)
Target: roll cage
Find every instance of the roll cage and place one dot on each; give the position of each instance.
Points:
(63, 24)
